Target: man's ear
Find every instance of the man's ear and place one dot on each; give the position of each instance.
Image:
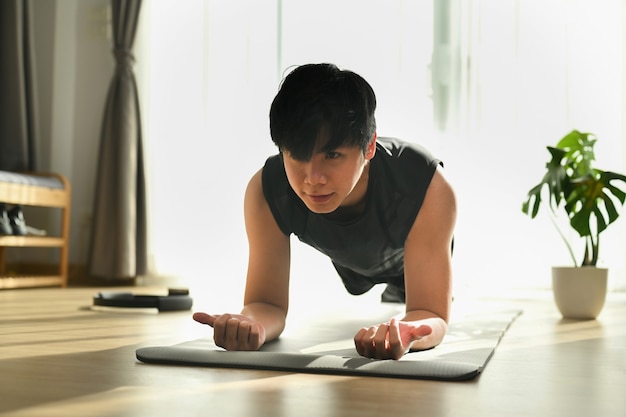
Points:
(370, 151)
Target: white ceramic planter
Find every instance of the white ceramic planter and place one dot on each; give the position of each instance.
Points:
(579, 292)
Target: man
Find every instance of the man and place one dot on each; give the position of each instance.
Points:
(380, 208)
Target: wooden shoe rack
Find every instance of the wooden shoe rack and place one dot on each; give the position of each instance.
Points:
(49, 190)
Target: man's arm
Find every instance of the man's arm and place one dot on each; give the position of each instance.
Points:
(266, 298)
(267, 286)
(427, 263)
(428, 281)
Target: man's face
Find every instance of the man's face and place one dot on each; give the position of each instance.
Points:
(330, 179)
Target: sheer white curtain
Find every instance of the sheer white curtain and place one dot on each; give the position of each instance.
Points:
(504, 77)
(209, 71)
(529, 72)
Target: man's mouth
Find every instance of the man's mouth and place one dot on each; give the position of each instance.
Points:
(319, 198)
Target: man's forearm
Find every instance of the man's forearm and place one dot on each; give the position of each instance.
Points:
(271, 317)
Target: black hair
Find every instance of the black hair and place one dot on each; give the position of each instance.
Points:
(320, 102)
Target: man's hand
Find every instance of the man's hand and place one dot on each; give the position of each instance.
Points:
(389, 340)
(234, 331)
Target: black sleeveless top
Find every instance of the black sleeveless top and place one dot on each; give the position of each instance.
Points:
(369, 247)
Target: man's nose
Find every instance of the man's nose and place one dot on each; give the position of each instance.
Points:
(314, 173)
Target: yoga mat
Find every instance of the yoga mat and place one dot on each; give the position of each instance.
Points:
(467, 347)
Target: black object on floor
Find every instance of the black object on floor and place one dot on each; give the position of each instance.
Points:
(176, 300)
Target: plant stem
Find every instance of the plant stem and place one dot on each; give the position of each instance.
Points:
(588, 246)
(569, 247)
(596, 250)
(591, 251)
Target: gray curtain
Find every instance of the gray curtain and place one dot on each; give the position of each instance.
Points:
(118, 240)
(18, 89)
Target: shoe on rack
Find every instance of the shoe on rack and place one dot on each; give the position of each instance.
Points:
(5, 225)
(18, 224)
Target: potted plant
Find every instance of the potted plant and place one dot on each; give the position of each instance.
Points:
(589, 198)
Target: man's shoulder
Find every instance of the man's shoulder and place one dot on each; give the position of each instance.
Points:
(287, 209)
(405, 166)
(394, 148)
(274, 178)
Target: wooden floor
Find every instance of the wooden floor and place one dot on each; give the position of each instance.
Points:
(58, 358)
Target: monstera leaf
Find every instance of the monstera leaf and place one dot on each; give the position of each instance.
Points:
(554, 179)
(593, 198)
(588, 195)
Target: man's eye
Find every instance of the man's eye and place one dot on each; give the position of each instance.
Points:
(332, 155)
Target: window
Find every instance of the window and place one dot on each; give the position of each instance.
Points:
(484, 84)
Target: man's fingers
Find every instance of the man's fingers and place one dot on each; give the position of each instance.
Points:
(233, 331)
(359, 335)
(388, 340)
(254, 337)
(397, 348)
(364, 342)
(243, 332)
(231, 339)
(205, 318)
(394, 333)
(419, 332)
(358, 341)
(381, 341)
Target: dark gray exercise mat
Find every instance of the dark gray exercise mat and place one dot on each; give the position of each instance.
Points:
(466, 349)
